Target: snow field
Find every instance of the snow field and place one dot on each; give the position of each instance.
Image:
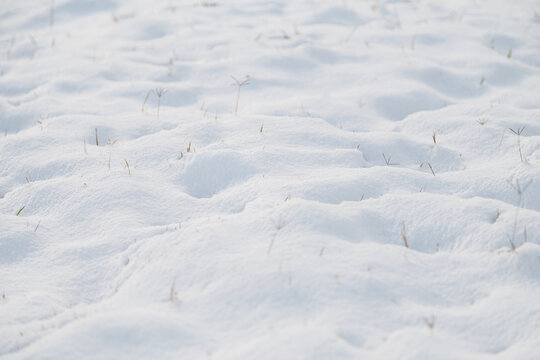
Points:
(277, 232)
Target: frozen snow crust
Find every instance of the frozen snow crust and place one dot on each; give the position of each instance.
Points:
(192, 232)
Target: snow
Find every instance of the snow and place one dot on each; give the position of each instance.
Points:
(280, 231)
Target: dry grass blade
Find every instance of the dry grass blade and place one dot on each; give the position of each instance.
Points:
(271, 245)
(431, 168)
(173, 294)
(127, 165)
(404, 235)
(146, 99)
(388, 160)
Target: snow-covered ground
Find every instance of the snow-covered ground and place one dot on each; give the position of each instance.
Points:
(189, 230)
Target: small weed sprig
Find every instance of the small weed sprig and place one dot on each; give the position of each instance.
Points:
(430, 322)
(279, 224)
(519, 190)
(518, 133)
(388, 160)
(159, 92)
(482, 121)
(173, 295)
(190, 149)
(239, 84)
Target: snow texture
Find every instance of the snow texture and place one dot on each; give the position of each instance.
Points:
(366, 200)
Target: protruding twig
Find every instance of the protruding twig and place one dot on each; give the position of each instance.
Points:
(279, 224)
(518, 133)
(388, 159)
(173, 294)
(159, 93)
(146, 99)
(239, 84)
(482, 121)
(404, 234)
(127, 165)
(431, 168)
(430, 322)
(519, 190)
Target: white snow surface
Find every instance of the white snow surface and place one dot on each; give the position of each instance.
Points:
(276, 232)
